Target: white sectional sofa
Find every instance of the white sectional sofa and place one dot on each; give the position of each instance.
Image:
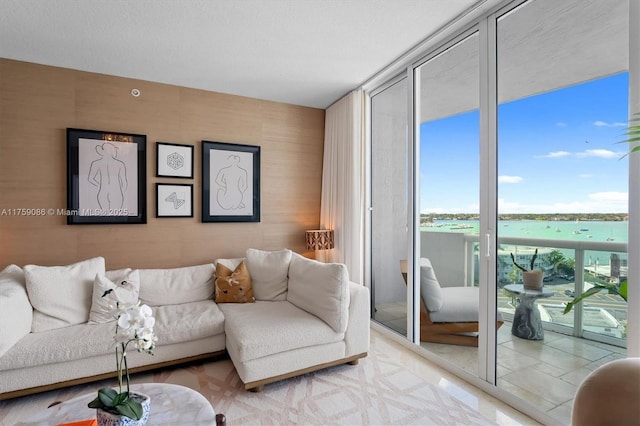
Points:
(306, 315)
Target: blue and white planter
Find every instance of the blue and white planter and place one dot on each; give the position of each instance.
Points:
(106, 418)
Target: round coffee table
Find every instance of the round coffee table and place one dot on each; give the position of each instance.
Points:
(170, 405)
(527, 323)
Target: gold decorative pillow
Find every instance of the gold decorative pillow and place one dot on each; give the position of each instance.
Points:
(233, 286)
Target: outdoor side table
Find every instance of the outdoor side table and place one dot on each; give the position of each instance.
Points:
(527, 323)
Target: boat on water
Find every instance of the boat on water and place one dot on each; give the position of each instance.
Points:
(584, 229)
(576, 232)
(610, 239)
(558, 230)
(462, 226)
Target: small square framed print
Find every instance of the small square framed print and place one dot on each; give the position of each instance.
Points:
(174, 200)
(174, 160)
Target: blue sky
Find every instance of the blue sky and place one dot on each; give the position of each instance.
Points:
(557, 153)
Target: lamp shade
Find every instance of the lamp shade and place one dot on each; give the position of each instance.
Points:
(319, 239)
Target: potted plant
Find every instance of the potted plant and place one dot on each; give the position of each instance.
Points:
(532, 278)
(134, 327)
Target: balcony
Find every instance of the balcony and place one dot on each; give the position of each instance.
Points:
(544, 372)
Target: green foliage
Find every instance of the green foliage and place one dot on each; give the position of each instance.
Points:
(612, 288)
(633, 134)
(118, 403)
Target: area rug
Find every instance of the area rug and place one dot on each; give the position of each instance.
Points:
(377, 391)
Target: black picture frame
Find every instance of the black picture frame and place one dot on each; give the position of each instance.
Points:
(174, 160)
(174, 200)
(222, 162)
(91, 154)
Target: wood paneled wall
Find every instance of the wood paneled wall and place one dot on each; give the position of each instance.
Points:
(38, 103)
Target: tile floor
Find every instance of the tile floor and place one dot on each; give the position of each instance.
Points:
(488, 406)
(545, 373)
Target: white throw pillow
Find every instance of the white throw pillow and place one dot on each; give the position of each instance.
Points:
(322, 289)
(430, 287)
(16, 312)
(269, 273)
(176, 286)
(61, 295)
(101, 307)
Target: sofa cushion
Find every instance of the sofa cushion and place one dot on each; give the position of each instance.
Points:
(176, 286)
(102, 307)
(229, 263)
(16, 312)
(429, 286)
(61, 344)
(269, 270)
(461, 304)
(188, 321)
(174, 324)
(61, 295)
(233, 285)
(263, 328)
(322, 289)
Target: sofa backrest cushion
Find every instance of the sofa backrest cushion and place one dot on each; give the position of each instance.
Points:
(430, 287)
(229, 263)
(176, 286)
(322, 289)
(269, 270)
(101, 307)
(16, 313)
(233, 285)
(61, 295)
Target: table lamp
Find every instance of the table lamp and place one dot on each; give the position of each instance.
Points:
(319, 239)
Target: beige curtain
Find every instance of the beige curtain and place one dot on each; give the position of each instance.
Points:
(343, 182)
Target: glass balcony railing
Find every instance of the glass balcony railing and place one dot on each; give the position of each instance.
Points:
(569, 267)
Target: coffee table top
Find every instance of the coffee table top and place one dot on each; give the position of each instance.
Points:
(170, 405)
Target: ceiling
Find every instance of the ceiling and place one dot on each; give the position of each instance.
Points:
(303, 52)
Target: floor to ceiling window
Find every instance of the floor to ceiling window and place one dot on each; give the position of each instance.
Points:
(516, 119)
(448, 137)
(388, 205)
(562, 193)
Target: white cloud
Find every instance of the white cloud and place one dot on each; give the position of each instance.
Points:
(600, 153)
(555, 154)
(561, 124)
(611, 196)
(585, 176)
(509, 179)
(600, 123)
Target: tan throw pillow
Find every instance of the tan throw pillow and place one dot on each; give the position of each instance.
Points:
(233, 286)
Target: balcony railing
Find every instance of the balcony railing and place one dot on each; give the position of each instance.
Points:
(578, 250)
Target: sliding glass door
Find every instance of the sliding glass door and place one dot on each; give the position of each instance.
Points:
(447, 133)
(562, 82)
(494, 154)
